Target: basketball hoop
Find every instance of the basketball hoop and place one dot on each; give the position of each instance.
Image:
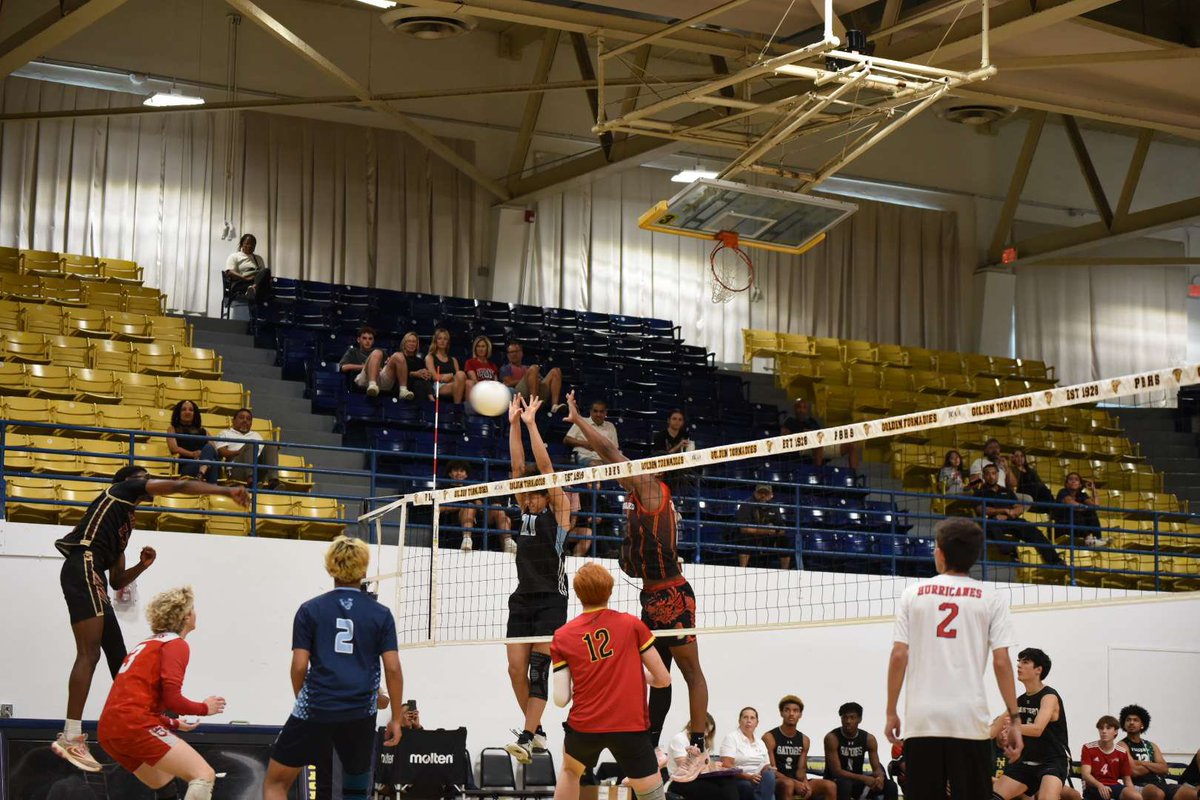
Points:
(732, 270)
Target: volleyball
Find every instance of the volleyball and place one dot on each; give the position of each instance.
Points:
(490, 398)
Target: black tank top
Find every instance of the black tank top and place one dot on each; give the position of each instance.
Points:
(648, 549)
(541, 562)
(444, 366)
(851, 751)
(1144, 751)
(1051, 746)
(788, 750)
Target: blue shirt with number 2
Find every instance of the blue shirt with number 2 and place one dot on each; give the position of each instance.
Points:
(345, 631)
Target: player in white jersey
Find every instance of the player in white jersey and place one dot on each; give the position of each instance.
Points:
(946, 627)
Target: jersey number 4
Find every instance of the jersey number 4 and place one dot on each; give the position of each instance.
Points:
(599, 645)
(343, 642)
(944, 631)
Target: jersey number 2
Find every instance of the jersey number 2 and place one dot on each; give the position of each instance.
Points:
(344, 641)
(944, 631)
(598, 644)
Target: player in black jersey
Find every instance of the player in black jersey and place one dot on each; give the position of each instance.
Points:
(847, 751)
(94, 546)
(538, 607)
(648, 552)
(1146, 759)
(1045, 762)
(787, 750)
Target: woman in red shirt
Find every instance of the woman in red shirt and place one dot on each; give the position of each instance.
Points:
(134, 729)
(479, 366)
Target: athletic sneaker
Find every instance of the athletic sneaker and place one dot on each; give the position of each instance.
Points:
(372, 389)
(1094, 541)
(467, 545)
(691, 767)
(510, 546)
(522, 748)
(557, 407)
(539, 740)
(76, 751)
(406, 393)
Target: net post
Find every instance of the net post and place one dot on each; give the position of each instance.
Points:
(399, 553)
(434, 567)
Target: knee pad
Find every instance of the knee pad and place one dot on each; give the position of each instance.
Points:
(657, 793)
(199, 790)
(354, 787)
(539, 675)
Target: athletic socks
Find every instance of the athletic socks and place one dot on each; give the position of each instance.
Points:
(73, 729)
(524, 737)
(199, 790)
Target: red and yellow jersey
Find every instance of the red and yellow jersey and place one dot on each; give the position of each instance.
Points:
(648, 550)
(603, 649)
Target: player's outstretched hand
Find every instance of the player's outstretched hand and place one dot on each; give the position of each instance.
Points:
(529, 415)
(394, 731)
(892, 729)
(240, 496)
(514, 408)
(216, 705)
(147, 557)
(572, 408)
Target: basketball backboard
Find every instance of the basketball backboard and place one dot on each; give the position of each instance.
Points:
(768, 219)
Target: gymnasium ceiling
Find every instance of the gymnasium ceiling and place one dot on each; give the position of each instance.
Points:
(1121, 65)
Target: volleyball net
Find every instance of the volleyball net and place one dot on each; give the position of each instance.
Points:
(780, 532)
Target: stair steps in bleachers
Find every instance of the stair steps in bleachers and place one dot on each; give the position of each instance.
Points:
(1173, 453)
(255, 369)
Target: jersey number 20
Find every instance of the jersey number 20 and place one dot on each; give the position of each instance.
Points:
(344, 641)
(944, 631)
(599, 645)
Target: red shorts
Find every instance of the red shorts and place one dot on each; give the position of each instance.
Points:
(132, 745)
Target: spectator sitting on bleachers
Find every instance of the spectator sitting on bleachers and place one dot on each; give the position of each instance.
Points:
(189, 443)
(244, 454)
(363, 366)
(1104, 765)
(479, 366)
(991, 455)
(247, 272)
(415, 377)
(598, 418)
(1146, 758)
(687, 763)
(673, 438)
(761, 525)
(951, 479)
(1080, 521)
(1029, 483)
(742, 749)
(443, 367)
(1003, 513)
(465, 515)
(529, 380)
(849, 750)
(801, 421)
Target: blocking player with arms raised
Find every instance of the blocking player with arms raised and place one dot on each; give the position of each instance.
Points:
(338, 640)
(95, 546)
(539, 605)
(603, 660)
(787, 750)
(946, 627)
(648, 552)
(133, 728)
(1045, 762)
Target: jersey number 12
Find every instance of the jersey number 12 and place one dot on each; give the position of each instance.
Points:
(599, 645)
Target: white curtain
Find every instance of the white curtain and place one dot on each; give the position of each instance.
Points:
(327, 202)
(1099, 322)
(889, 273)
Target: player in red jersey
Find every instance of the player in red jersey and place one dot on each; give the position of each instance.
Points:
(133, 728)
(603, 660)
(648, 552)
(1104, 764)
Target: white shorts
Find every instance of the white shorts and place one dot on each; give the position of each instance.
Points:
(386, 379)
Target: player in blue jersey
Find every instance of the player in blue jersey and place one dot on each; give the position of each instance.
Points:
(338, 640)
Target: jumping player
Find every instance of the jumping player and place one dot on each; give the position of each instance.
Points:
(787, 749)
(945, 628)
(338, 640)
(848, 751)
(648, 552)
(1045, 763)
(538, 607)
(133, 729)
(603, 660)
(95, 546)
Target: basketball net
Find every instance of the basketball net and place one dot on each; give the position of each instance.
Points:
(732, 270)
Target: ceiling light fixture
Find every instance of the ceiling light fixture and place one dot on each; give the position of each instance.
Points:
(691, 175)
(168, 99)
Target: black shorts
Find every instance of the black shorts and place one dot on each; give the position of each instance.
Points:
(670, 606)
(304, 741)
(633, 751)
(932, 762)
(1030, 773)
(84, 587)
(1092, 793)
(539, 614)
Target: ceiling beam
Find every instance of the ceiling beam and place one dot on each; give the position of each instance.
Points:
(891, 13)
(1135, 261)
(48, 31)
(1133, 36)
(533, 103)
(1016, 185)
(681, 25)
(587, 71)
(1090, 177)
(1094, 59)
(435, 145)
(1133, 175)
(1165, 217)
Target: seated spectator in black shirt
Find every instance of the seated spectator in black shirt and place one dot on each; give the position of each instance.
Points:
(1003, 514)
(761, 525)
(803, 421)
(1028, 480)
(1080, 520)
(467, 514)
(674, 439)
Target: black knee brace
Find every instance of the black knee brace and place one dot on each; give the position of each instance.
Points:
(539, 675)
